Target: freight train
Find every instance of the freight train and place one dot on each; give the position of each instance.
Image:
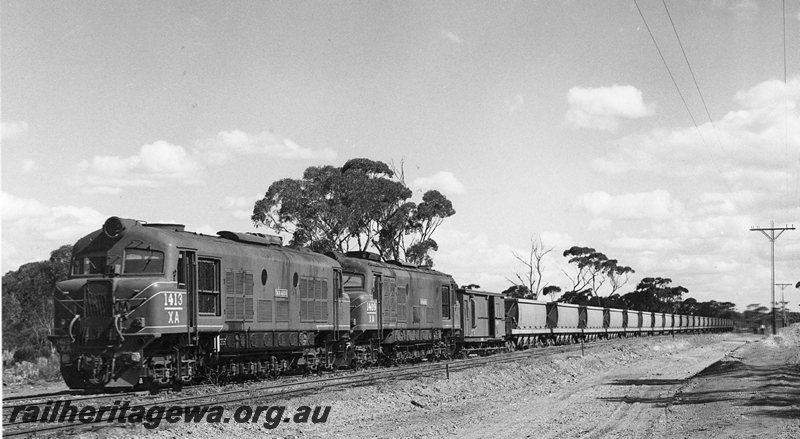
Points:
(152, 305)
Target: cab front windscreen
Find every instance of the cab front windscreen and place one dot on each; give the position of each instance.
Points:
(134, 261)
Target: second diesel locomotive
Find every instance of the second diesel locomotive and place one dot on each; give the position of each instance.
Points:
(154, 304)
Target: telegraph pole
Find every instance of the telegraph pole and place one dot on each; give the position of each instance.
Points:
(771, 236)
(783, 302)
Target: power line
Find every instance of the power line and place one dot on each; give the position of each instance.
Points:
(678, 89)
(671, 76)
(691, 71)
(786, 114)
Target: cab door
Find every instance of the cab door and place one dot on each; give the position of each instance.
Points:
(377, 294)
(187, 280)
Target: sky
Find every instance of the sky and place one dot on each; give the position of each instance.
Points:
(555, 120)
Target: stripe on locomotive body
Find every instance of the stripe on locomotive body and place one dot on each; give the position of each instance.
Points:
(180, 293)
(150, 286)
(181, 326)
(328, 327)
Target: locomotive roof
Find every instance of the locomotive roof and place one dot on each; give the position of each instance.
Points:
(371, 261)
(114, 227)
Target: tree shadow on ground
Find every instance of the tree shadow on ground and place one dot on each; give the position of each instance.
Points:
(776, 389)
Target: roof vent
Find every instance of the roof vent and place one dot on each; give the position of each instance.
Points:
(402, 264)
(251, 238)
(167, 226)
(365, 255)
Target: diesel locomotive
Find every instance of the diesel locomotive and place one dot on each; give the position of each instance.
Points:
(149, 305)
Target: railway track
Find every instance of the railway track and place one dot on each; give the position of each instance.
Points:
(211, 395)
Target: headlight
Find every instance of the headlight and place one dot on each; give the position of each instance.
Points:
(113, 227)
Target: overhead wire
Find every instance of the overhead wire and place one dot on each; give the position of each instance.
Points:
(786, 122)
(691, 71)
(678, 89)
(786, 130)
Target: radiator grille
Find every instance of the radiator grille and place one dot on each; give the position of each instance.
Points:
(97, 300)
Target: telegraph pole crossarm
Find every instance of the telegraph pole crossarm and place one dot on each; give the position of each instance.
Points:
(771, 236)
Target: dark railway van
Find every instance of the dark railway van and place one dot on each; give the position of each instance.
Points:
(483, 319)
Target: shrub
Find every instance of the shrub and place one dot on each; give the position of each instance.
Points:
(30, 353)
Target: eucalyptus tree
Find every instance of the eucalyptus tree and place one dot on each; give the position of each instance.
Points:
(360, 206)
(656, 294)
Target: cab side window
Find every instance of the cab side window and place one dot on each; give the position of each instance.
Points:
(208, 282)
(446, 302)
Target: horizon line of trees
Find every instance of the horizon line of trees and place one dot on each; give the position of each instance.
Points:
(592, 270)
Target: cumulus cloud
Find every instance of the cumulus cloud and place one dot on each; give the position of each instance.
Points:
(771, 93)
(655, 204)
(229, 144)
(603, 108)
(160, 163)
(753, 146)
(453, 38)
(443, 181)
(722, 179)
(153, 165)
(13, 130)
(31, 229)
(15, 208)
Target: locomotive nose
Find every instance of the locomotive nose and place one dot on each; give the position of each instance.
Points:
(97, 321)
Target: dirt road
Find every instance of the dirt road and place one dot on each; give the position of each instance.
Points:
(724, 385)
(652, 387)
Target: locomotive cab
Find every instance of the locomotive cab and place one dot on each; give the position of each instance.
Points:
(102, 320)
